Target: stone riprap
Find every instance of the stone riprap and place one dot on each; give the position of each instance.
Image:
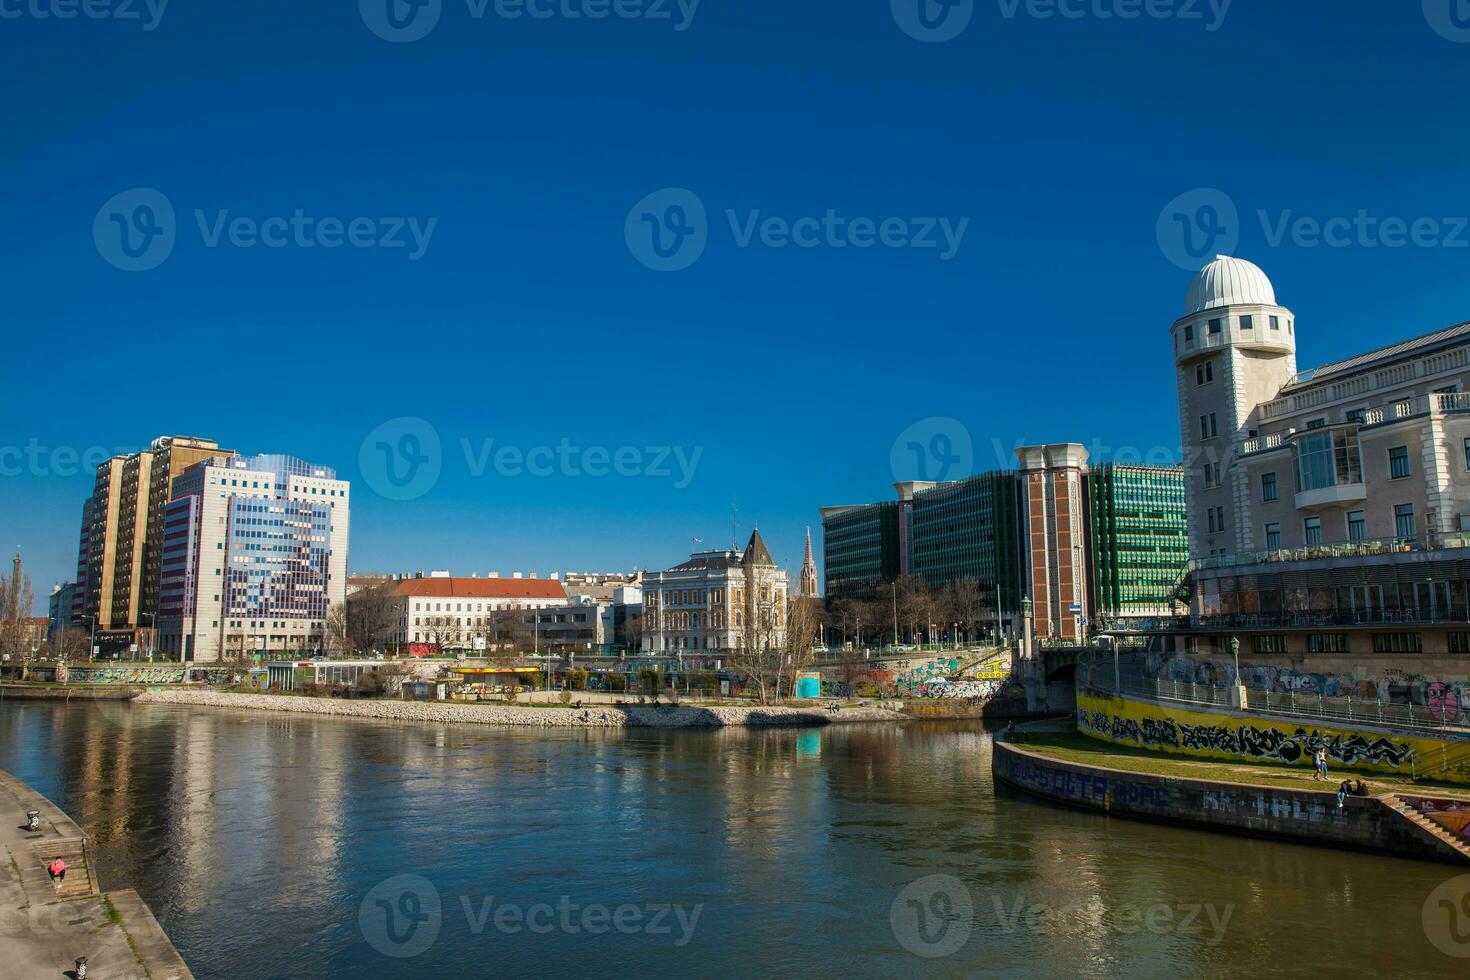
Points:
(592, 716)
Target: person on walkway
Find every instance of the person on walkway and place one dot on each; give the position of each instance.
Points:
(57, 870)
(1321, 758)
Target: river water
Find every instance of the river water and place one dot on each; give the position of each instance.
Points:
(294, 846)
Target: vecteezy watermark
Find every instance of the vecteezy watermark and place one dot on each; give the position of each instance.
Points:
(1446, 917)
(1204, 222)
(936, 21)
(147, 13)
(1450, 19)
(136, 230)
(934, 916)
(39, 460)
(1198, 225)
(403, 459)
(402, 917)
(669, 230)
(934, 449)
(932, 21)
(403, 21)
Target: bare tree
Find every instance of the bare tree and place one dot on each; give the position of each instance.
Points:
(507, 630)
(966, 604)
(443, 631)
(370, 616)
(803, 624)
(633, 632)
(759, 619)
(16, 600)
(847, 614)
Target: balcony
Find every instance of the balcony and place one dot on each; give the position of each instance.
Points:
(1334, 496)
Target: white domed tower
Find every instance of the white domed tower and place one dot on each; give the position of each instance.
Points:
(1234, 349)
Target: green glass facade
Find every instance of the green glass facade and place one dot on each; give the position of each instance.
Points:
(860, 549)
(971, 529)
(1139, 537)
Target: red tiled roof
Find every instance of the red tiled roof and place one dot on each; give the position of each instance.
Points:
(482, 588)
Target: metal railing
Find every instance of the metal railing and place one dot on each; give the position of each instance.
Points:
(1097, 678)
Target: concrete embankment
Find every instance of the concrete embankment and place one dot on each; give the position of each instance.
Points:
(61, 692)
(46, 924)
(1363, 823)
(592, 716)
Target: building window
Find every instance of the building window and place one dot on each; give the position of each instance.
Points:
(1357, 526)
(1459, 642)
(1276, 323)
(1214, 327)
(1273, 537)
(1268, 487)
(1247, 323)
(1189, 332)
(1327, 643)
(1328, 459)
(1317, 423)
(1354, 415)
(1209, 426)
(1312, 531)
(1269, 643)
(1397, 643)
(1403, 521)
(1467, 454)
(1204, 373)
(1398, 462)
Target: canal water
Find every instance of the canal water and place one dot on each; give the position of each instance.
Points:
(293, 846)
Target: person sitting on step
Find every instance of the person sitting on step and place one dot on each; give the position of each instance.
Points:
(57, 870)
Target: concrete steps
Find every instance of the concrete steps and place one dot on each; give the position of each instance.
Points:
(1428, 827)
(79, 880)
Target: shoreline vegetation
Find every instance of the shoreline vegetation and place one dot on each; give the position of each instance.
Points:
(682, 715)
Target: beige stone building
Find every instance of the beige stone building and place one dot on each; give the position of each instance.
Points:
(121, 540)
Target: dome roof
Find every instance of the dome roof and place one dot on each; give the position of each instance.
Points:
(1228, 281)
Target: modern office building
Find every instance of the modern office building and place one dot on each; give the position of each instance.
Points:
(254, 559)
(1139, 540)
(118, 563)
(1039, 532)
(716, 601)
(860, 549)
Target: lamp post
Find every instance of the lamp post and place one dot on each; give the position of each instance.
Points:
(1239, 692)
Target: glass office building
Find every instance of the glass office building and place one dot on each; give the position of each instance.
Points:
(1139, 539)
(971, 529)
(860, 549)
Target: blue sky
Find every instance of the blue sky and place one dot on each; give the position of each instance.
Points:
(526, 312)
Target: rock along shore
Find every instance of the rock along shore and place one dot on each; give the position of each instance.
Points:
(591, 716)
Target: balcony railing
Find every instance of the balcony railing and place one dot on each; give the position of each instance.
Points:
(1097, 679)
(1438, 403)
(1348, 549)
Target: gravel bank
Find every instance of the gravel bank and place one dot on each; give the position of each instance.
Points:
(593, 716)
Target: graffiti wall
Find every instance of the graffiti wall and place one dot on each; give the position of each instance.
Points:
(1447, 699)
(144, 674)
(1227, 736)
(1452, 815)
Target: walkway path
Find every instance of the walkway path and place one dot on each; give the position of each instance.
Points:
(45, 925)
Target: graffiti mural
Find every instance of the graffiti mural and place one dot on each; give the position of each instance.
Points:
(1452, 815)
(1226, 736)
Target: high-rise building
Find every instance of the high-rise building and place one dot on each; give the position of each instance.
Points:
(255, 558)
(121, 539)
(63, 597)
(972, 529)
(716, 601)
(1054, 539)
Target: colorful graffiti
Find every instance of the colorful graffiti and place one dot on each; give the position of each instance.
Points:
(144, 674)
(1226, 736)
(1447, 700)
(962, 690)
(1452, 815)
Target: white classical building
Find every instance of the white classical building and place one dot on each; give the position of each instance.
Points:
(704, 603)
(1375, 446)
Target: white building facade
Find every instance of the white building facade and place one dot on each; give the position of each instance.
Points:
(703, 604)
(254, 558)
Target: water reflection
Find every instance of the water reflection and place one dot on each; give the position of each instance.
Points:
(256, 838)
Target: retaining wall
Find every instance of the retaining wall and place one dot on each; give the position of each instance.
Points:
(1363, 823)
(593, 716)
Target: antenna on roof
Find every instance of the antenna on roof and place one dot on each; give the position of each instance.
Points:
(734, 527)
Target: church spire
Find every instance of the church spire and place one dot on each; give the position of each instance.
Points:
(808, 570)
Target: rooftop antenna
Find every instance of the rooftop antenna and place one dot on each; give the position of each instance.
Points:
(734, 528)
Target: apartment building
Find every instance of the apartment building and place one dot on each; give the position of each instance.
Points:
(711, 601)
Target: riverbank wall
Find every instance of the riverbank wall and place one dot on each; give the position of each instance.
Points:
(1306, 816)
(53, 692)
(591, 716)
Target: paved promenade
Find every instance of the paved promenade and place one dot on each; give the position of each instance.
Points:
(45, 926)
